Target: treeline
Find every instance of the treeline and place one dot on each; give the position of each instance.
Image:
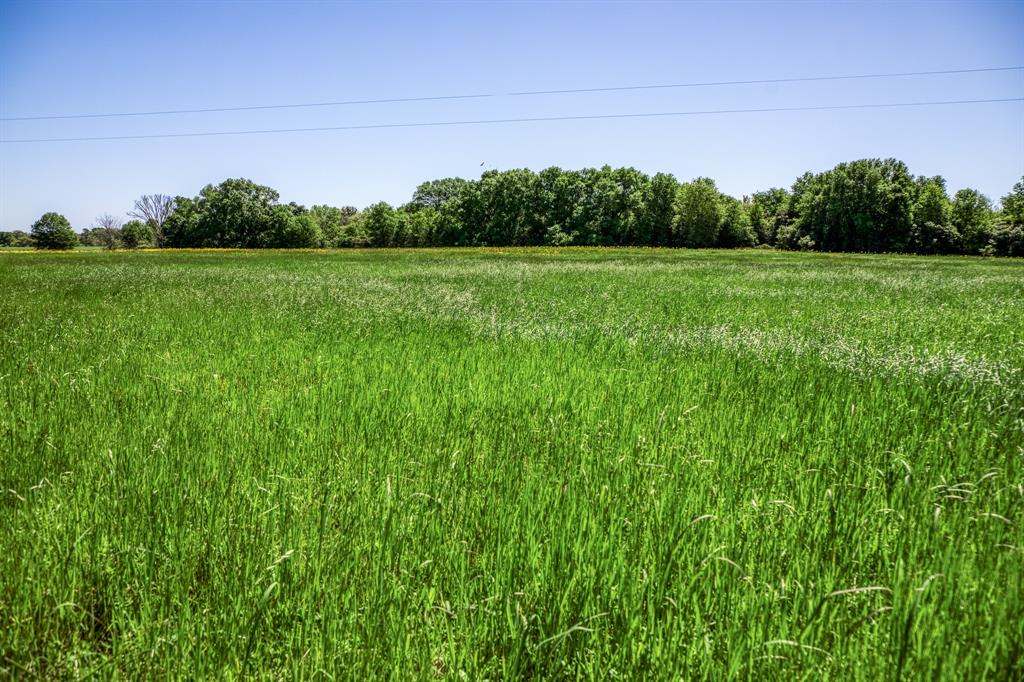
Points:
(869, 205)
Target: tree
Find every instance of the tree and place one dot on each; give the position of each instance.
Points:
(1013, 206)
(154, 210)
(435, 193)
(53, 231)
(1007, 231)
(290, 231)
(971, 215)
(182, 227)
(1006, 240)
(108, 231)
(864, 205)
(499, 210)
(136, 233)
(768, 211)
(237, 213)
(932, 204)
(659, 210)
(868, 205)
(558, 201)
(934, 238)
(421, 226)
(736, 231)
(932, 231)
(382, 224)
(622, 221)
(353, 232)
(331, 224)
(15, 238)
(698, 214)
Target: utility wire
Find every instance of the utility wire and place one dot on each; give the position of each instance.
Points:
(537, 119)
(525, 93)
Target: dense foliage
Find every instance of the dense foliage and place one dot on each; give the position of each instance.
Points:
(869, 205)
(53, 231)
(15, 238)
(238, 213)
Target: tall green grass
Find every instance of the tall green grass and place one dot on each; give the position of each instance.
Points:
(503, 464)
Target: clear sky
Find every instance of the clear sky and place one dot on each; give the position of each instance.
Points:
(79, 57)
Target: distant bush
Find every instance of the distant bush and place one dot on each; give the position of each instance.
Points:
(135, 234)
(932, 238)
(15, 238)
(1007, 240)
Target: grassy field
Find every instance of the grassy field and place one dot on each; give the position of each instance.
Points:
(503, 464)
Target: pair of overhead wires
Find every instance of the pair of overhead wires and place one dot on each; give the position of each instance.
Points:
(524, 93)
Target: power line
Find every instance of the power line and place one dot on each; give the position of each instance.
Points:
(525, 93)
(537, 119)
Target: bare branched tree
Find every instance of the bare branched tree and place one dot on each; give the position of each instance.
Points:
(153, 209)
(108, 230)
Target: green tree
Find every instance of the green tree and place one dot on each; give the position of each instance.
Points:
(292, 229)
(864, 205)
(558, 202)
(421, 226)
(768, 211)
(932, 232)
(971, 215)
(1007, 240)
(89, 237)
(332, 224)
(136, 233)
(499, 209)
(624, 223)
(435, 193)
(353, 233)
(698, 214)
(237, 213)
(382, 224)
(182, 228)
(15, 238)
(932, 204)
(736, 230)
(1013, 205)
(53, 231)
(658, 212)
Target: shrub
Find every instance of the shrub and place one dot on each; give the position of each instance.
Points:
(933, 238)
(1007, 240)
(15, 238)
(136, 233)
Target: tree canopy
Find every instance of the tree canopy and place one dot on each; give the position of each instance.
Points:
(53, 231)
(868, 205)
(238, 213)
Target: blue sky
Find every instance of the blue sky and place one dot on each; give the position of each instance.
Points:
(78, 57)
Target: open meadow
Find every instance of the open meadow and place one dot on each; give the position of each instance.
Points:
(469, 464)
